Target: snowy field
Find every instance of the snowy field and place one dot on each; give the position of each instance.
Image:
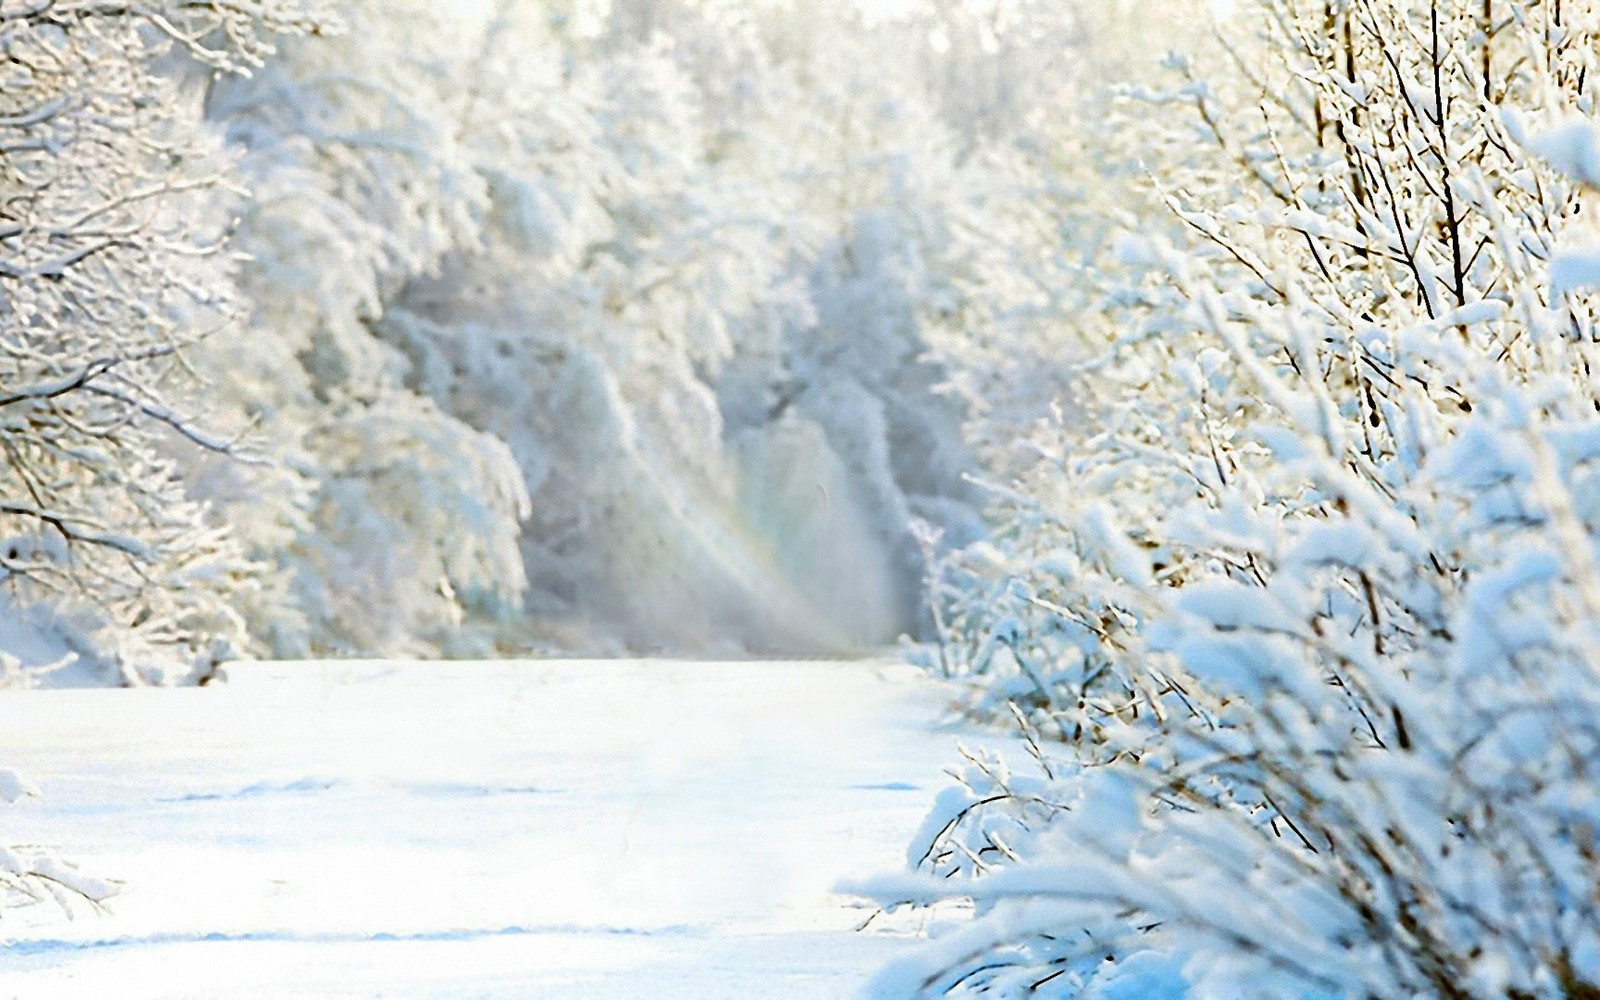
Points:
(567, 830)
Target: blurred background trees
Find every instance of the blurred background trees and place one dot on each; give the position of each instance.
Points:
(617, 326)
(476, 328)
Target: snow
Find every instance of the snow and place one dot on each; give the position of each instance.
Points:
(561, 829)
(36, 651)
(14, 786)
(1571, 148)
(1574, 269)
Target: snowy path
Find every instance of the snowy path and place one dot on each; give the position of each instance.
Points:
(570, 830)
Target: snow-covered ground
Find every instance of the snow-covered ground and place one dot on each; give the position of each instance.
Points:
(565, 830)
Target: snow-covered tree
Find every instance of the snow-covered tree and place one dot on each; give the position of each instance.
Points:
(388, 522)
(111, 271)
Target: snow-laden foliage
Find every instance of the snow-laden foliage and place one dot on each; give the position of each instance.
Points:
(1058, 231)
(614, 267)
(110, 274)
(385, 520)
(567, 323)
(672, 265)
(1306, 581)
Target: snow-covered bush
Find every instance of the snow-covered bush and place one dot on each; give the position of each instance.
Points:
(111, 226)
(1312, 586)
